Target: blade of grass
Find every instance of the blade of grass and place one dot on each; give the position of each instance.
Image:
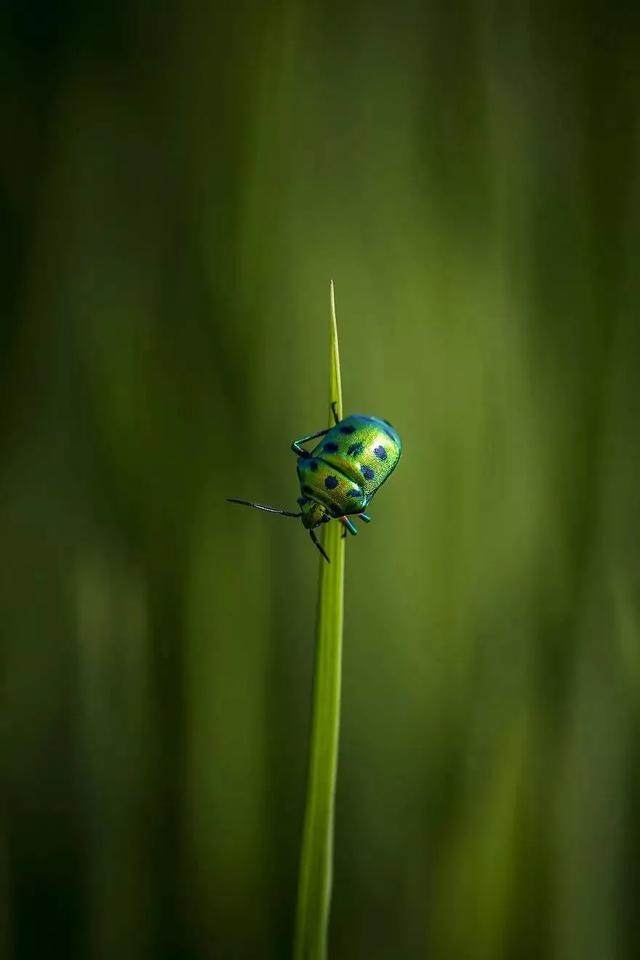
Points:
(316, 865)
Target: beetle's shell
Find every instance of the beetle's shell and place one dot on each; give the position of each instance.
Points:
(350, 464)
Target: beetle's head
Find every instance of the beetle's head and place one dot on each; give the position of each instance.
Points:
(313, 513)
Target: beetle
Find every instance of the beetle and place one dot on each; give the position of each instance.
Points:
(342, 473)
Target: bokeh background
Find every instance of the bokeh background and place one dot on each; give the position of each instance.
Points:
(178, 183)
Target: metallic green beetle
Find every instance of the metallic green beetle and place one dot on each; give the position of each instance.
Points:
(342, 473)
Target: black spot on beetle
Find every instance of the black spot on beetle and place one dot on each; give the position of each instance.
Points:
(354, 449)
(380, 453)
(367, 472)
(331, 447)
(331, 483)
(347, 430)
(313, 465)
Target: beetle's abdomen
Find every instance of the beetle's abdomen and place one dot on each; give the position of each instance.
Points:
(364, 449)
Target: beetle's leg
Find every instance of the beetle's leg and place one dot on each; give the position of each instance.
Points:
(348, 525)
(365, 517)
(318, 545)
(297, 448)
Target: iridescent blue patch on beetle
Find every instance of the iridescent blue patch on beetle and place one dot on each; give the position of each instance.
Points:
(380, 453)
(366, 472)
(331, 483)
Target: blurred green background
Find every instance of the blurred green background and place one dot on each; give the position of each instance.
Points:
(178, 183)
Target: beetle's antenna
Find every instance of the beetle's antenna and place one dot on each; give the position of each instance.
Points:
(318, 545)
(263, 506)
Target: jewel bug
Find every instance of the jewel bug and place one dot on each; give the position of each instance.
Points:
(341, 474)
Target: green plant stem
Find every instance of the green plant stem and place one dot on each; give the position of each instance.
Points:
(316, 866)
